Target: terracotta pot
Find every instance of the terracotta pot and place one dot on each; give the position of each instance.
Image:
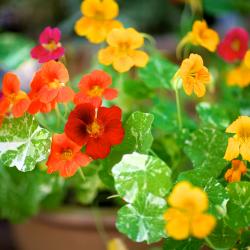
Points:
(70, 229)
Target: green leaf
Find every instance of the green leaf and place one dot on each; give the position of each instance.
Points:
(212, 114)
(143, 220)
(206, 148)
(23, 143)
(222, 237)
(14, 50)
(138, 138)
(138, 173)
(22, 193)
(239, 203)
(189, 244)
(158, 73)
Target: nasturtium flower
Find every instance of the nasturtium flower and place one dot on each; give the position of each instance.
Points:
(234, 173)
(122, 51)
(97, 20)
(235, 44)
(50, 47)
(12, 98)
(48, 87)
(194, 75)
(240, 75)
(187, 213)
(202, 36)
(65, 156)
(116, 244)
(93, 87)
(239, 144)
(98, 129)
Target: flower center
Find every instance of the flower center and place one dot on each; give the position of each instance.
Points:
(99, 15)
(55, 84)
(235, 45)
(124, 46)
(67, 154)
(95, 91)
(51, 45)
(244, 134)
(94, 129)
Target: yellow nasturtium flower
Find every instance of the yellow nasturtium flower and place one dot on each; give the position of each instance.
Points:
(122, 51)
(195, 76)
(240, 75)
(97, 20)
(240, 142)
(116, 244)
(234, 173)
(202, 36)
(187, 213)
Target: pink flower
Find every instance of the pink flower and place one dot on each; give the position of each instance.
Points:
(50, 47)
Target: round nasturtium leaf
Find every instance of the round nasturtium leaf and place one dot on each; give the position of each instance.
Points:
(23, 143)
(143, 220)
(138, 173)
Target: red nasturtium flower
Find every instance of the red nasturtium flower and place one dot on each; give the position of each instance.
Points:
(66, 156)
(12, 98)
(50, 47)
(93, 87)
(234, 45)
(98, 129)
(48, 87)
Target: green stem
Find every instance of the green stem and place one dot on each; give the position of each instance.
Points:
(178, 106)
(153, 153)
(81, 174)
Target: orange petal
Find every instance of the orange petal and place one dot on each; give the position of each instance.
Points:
(199, 89)
(233, 149)
(20, 107)
(245, 150)
(82, 26)
(11, 84)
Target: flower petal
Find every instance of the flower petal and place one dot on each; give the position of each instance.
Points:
(11, 84)
(123, 63)
(108, 114)
(20, 107)
(98, 148)
(140, 58)
(110, 94)
(65, 94)
(233, 149)
(245, 150)
(106, 56)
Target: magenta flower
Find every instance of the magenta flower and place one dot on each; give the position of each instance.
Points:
(50, 47)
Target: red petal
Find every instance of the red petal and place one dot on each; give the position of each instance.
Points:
(65, 94)
(101, 78)
(11, 84)
(46, 94)
(109, 114)
(82, 159)
(98, 148)
(20, 107)
(4, 105)
(80, 98)
(110, 94)
(56, 34)
(114, 132)
(46, 35)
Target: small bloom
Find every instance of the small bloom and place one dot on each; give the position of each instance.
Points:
(116, 244)
(234, 173)
(97, 20)
(234, 46)
(240, 142)
(48, 87)
(186, 216)
(93, 87)
(200, 35)
(50, 47)
(122, 51)
(66, 156)
(97, 129)
(12, 98)
(194, 75)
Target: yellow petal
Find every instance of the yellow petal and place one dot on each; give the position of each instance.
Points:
(140, 58)
(90, 7)
(116, 244)
(123, 63)
(97, 32)
(199, 89)
(177, 225)
(116, 37)
(135, 39)
(233, 149)
(202, 225)
(110, 9)
(247, 59)
(245, 150)
(82, 26)
(188, 85)
(106, 56)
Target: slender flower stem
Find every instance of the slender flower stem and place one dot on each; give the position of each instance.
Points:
(82, 174)
(178, 106)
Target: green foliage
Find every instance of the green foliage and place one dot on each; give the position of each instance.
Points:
(22, 193)
(238, 206)
(137, 138)
(189, 244)
(143, 181)
(23, 143)
(158, 72)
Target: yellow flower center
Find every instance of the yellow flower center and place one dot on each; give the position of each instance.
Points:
(99, 15)
(94, 129)
(244, 133)
(235, 45)
(51, 45)
(15, 97)
(55, 84)
(95, 91)
(67, 154)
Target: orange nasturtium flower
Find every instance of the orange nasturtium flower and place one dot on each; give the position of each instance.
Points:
(66, 156)
(48, 87)
(234, 173)
(186, 216)
(202, 36)
(122, 51)
(12, 98)
(97, 20)
(194, 75)
(240, 142)
(240, 75)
